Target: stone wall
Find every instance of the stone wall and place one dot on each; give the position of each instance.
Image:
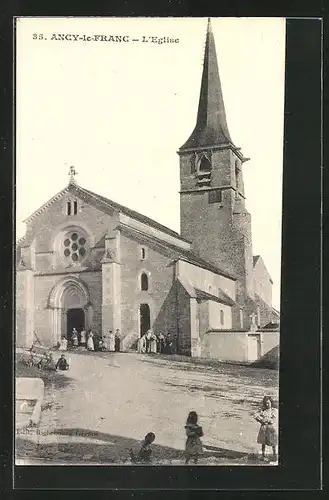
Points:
(160, 294)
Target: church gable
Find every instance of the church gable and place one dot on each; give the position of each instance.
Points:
(262, 280)
(64, 211)
(67, 233)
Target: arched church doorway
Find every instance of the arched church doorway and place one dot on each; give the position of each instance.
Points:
(70, 304)
(144, 318)
(75, 318)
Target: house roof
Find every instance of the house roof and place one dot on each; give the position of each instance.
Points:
(127, 211)
(222, 297)
(195, 259)
(271, 326)
(105, 203)
(101, 201)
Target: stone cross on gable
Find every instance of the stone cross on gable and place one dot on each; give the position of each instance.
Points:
(253, 326)
(72, 174)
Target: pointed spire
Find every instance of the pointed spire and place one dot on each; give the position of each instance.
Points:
(211, 127)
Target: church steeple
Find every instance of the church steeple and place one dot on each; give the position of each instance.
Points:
(212, 200)
(211, 126)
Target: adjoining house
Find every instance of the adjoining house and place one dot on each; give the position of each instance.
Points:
(90, 263)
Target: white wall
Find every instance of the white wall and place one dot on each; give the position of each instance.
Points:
(202, 278)
(215, 316)
(262, 282)
(268, 341)
(225, 346)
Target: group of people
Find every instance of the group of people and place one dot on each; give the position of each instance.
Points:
(47, 362)
(92, 341)
(267, 416)
(155, 343)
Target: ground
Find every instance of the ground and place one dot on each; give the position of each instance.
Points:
(107, 402)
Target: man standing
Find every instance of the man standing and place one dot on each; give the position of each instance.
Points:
(169, 343)
(117, 340)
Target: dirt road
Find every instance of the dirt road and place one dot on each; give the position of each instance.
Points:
(108, 401)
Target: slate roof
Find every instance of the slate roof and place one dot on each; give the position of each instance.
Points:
(127, 211)
(211, 126)
(271, 326)
(222, 297)
(106, 204)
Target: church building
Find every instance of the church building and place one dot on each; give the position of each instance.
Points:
(87, 262)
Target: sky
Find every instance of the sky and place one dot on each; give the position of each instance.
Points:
(119, 111)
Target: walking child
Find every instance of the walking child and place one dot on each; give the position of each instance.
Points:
(268, 418)
(193, 447)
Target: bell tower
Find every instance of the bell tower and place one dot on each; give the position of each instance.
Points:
(212, 198)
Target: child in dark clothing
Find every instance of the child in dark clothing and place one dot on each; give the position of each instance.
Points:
(62, 363)
(142, 451)
(193, 447)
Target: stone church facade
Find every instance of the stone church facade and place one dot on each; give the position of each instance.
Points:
(88, 262)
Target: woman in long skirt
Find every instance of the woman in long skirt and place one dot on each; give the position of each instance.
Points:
(90, 341)
(74, 338)
(153, 343)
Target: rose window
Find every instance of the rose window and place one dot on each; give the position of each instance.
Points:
(74, 247)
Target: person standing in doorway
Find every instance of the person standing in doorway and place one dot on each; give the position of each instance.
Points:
(90, 341)
(74, 338)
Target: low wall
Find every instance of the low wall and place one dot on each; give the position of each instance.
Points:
(225, 346)
(233, 345)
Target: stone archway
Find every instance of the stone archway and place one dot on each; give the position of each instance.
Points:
(69, 293)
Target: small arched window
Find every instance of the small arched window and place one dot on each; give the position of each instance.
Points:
(221, 317)
(144, 282)
(143, 253)
(204, 165)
